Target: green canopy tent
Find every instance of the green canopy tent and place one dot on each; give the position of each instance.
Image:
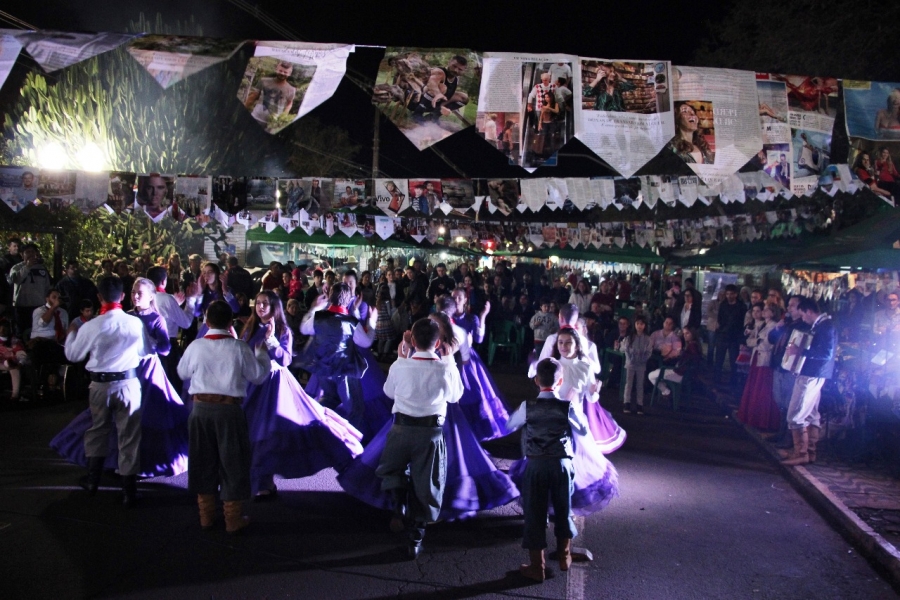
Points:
(628, 254)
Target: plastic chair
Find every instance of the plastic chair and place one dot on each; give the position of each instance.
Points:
(679, 390)
(505, 334)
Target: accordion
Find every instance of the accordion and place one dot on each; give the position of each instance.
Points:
(794, 363)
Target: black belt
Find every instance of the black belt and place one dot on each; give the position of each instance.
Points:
(107, 377)
(429, 421)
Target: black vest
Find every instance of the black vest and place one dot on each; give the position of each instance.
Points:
(547, 432)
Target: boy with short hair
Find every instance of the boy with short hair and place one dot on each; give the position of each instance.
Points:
(544, 324)
(413, 465)
(549, 423)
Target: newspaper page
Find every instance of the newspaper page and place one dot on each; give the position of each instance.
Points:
(57, 188)
(716, 121)
(9, 52)
(527, 109)
(796, 115)
(350, 194)
(18, 187)
(55, 50)
(625, 110)
(873, 125)
(429, 94)
(391, 196)
(192, 193)
(285, 80)
(90, 191)
(171, 58)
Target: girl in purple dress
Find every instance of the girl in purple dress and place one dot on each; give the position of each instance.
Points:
(210, 286)
(481, 402)
(291, 434)
(596, 479)
(473, 482)
(164, 434)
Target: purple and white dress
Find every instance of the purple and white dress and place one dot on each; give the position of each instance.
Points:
(164, 433)
(481, 401)
(291, 434)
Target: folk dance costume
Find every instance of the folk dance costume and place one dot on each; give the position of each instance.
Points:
(116, 343)
(377, 411)
(758, 408)
(164, 434)
(472, 481)
(219, 368)
(175, 318)
(291, 434)
(481, 402)
(604, 428)
(596, 481)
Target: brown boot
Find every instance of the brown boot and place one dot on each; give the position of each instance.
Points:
(795, 434)
(813, 440)
(564, 553)
(801, 448)
(207, 504)
(535, 570)
(235, 521)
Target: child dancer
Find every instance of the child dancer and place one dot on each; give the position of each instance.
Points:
(290, 433)
(637, 349)
(413, 465)
(547, 442)
(164, 435)
(12, 353)
(219, 368)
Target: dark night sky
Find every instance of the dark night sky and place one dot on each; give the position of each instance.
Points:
(622, 31)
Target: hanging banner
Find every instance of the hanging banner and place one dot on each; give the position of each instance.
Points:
(390, 196)
(526, 108)
(55, 50)
(155, 195)
(90, 191)
(9, 52)
(582, 193)
(230, 193)
(121, 192)
(716, 120)
(192, 194)
(18, 187)
(429, 94)
(625, 111)
(350, 194)
(504, 194)
(285, 80)
(424, 196)
(291, 195)
(346, 223)
(171, 58)
(384, 227)
(56, 188)
(627, 192)
(458, 196)
(873, 124)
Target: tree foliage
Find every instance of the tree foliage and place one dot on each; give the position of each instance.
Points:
(834, 38)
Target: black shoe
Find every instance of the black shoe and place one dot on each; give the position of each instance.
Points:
(640, 409)
(413, 549)
(626, 409)
(266, 495)
(91, 481)
(400, 499)
(129, 491)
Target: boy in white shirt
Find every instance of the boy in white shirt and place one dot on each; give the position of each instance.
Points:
(413, 465)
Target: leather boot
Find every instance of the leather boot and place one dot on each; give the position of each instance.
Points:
(400, 498)
(813, 440)
(535, 570)
(801, 448)
(564, 553)
(91, 481)
(129, 491)
(235, 521)
(789, 452)
(207, 505)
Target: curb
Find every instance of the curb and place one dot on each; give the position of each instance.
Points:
(870, 543)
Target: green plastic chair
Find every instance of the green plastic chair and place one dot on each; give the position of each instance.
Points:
(681, 392)
(505, 334)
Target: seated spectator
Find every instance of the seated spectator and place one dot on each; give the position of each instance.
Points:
(12, 356)
(666, 342)
(604, 298)
(48, 334)
(85, 314)
(688, 361)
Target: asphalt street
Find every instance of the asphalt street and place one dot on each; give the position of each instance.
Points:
(703, 513)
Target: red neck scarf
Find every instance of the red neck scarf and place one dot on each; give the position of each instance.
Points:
(160, 289)
(549, 389)
(108, 306)
(338, 309)
(58, 327)
(217, 336)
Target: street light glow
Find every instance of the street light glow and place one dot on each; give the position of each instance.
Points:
(52, 156)
(91, 158)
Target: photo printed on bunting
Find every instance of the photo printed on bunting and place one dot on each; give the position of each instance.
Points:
(90, 191)
(155, 194)
(285, 80)
(121, 192)
(230, 193)
(191, 196)
(526, 108)
(350, 194)
(424, 196)
(624, 114)
(716, 120)
(56, 188)
(171, 58)
(390, 196)
(429, 94)
(873, 124)
(9, 52)
(55, 50)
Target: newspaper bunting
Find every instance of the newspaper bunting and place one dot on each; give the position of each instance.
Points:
(285, 80)
(9, 52)
(429, 94)
(171, 58)
(55, 50)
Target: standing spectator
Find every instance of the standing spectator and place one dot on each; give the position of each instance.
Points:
(272, 279)
(316, 289)
(123, 273)
(441, 285)
(239, 279)
(637, 349)
(73, 288)
(758, 408)
(192, 273)
(31, 283)
(730, 332)
(173, 274)
(7, 262)
(544, 324)
(712, 325)
(783, 380)
(581, 296)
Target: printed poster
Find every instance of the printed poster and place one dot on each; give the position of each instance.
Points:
(716, 120)
(527, 106)
(350, 194)
(625, 111)
(171, 58)
(873, 124)
(57, 188)
(121, 191)
(229, 194)
(18, 187)
(429, 94)
(91, 191)
(391, 196)
(424, 196)
(55, 50)
(285, 80)
(155, 195)
(9, 52)
(458, 196)
(192, 195)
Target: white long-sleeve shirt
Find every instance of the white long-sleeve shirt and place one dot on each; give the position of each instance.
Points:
(115, 341)
(223, 366)
(423, 384)
(174, 315)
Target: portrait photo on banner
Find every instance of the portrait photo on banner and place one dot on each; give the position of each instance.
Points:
(548, 113)
(155, 194)
(429, 94)
(272, 90)
(18, 186)
(424, 196)
(695, 133)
